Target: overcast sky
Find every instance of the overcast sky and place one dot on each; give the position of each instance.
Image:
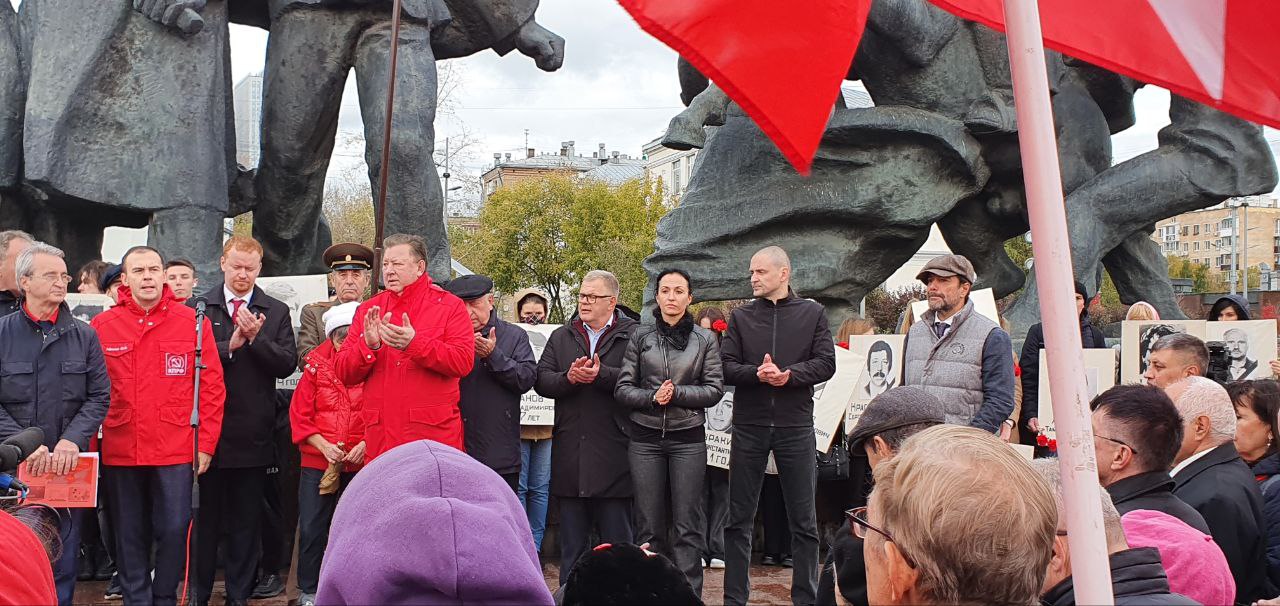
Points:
(618, 86)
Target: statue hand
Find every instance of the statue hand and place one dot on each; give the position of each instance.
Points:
(542, 45)
(183, 15)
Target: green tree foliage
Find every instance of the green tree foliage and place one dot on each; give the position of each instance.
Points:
(548, 232)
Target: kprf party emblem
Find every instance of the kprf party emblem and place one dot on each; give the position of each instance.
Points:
(175, 365)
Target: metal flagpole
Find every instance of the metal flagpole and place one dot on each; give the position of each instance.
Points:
(380, 219)
(1054, 276)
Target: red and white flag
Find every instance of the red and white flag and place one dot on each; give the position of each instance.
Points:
(783, 62)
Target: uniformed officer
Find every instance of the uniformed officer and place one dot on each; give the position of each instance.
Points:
(349, 264)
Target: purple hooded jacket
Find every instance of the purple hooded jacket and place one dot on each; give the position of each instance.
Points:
(426, 524)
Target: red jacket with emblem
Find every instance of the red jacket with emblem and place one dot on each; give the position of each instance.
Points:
(150, 358)
(323, 405)
(412, 394)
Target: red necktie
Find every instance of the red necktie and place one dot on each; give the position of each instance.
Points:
(235, 310)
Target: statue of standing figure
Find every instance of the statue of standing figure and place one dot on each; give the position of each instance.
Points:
(313, 46)
(122, 119)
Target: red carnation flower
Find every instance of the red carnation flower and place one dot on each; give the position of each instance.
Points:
(1017, 369)
(844, 344)
(1053, 446)
(719, 326)
(1041, 440)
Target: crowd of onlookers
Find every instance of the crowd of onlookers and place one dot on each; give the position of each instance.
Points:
(417, 482)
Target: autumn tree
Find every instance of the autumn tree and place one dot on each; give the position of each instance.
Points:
(548, 232)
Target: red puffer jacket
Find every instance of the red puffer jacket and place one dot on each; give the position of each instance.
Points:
(150, 358)
(323, 405)
(412, 394)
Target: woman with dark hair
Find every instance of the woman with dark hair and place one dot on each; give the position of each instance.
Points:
(1257, 403)
(88, 277)
(670, 375)
(1229, 309)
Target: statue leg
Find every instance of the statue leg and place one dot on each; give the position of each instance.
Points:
(707, 109)
(308, 58)
(191, 232)
(1141, 273)
(415, 204)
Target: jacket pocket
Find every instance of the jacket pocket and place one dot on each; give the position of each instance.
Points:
(17, 382)
(371, 417)
(176, 415)
(119, 358)
(117, 416)
(74, 381)
(434, 416)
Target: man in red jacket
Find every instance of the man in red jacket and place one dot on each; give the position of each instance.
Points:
(148, 341)
(409, 346)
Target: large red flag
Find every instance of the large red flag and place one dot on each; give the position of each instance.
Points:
(781, 62)
(1222, 53)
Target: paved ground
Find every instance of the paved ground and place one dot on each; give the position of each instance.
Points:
(770, 585)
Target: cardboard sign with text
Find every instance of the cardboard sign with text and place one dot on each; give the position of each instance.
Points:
(876, 374)
(296, 292)
(535, 409)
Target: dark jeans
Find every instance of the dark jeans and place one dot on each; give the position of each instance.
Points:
(70, 522)
(716, 506)
(655, 468)
(315, 513)
(610, 517)
(230, 498)
(794, 449)
(149, 504)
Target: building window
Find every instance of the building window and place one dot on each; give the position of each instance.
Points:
(1195, 230)
(1197, 247)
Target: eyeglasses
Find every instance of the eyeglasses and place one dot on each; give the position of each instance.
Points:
(1120, 442)
(64, 278)
(591, 299)
(859, 525)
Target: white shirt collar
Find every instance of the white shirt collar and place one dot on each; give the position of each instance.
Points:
(226, 292)
(1189, 460)
(601, 331)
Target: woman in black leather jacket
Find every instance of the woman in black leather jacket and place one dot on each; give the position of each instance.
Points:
(670, 375)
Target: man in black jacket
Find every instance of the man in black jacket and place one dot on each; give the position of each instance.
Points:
(255, 343)
(777, 348)
(1136, 435)
(590, 470)
(1137, 576)
(490, 395)
(1211, 477)
(1029, 362)
(52, 376)
(12, 243)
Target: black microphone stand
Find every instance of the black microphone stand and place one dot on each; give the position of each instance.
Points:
(195, 449)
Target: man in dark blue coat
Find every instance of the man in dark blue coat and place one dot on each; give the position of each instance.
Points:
(52, 376)
(505, 370)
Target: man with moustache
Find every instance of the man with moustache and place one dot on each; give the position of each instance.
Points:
(876, 379)
(148, 341)
(349, 265)
(255, 344)
(959, 354)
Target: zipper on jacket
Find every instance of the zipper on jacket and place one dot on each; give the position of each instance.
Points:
(666, 369)
(773, 351)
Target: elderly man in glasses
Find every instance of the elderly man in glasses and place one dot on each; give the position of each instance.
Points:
(53, 378)
(957, 517)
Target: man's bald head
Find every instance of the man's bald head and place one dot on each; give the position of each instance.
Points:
(774, 255)
(770, 273)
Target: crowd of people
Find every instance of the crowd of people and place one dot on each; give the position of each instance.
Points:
(417, 481)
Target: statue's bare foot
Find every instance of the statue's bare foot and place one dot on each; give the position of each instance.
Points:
(684, 133)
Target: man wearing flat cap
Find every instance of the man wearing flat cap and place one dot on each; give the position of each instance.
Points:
(959, 355)
(504, 370)
(890, 418)
(349, 266)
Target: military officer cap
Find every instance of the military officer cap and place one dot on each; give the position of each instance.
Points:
(348, 255)
(469, 288)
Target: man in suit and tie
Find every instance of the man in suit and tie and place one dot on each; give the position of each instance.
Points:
(255, 345)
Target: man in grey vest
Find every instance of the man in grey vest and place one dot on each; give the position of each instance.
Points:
(962, 357)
